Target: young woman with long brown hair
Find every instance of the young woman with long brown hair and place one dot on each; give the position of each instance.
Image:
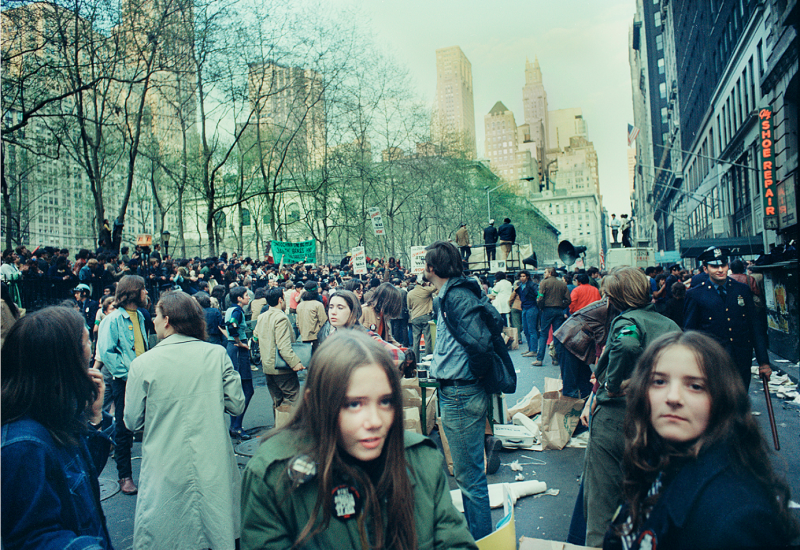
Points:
(343, 473)
(697, 469)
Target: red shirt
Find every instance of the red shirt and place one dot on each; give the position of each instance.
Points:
(582, 296)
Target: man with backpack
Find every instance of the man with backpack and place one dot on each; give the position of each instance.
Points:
(471, 362)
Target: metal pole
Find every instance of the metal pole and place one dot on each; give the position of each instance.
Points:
(488, 205)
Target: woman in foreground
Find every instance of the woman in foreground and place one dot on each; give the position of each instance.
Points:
(343, 473)
(697, 470)
(53, 449)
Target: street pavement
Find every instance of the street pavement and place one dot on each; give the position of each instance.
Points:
(544, 516)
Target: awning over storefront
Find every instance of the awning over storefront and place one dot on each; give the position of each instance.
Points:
(739, 246)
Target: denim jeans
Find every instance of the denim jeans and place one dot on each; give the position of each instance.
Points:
(464, 410)
(530, 322)
(123, 437)
(550, 316)
(241, 362)
(575, 375)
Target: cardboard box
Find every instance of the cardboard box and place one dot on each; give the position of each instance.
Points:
(412, 397)
(411, 420)
(431, 408)
(448, 458)
(526, 543)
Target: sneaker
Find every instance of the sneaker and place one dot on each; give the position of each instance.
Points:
(537, 363)
(528, 354)
(493, 446)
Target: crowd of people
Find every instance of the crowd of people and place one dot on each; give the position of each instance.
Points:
(658, 358)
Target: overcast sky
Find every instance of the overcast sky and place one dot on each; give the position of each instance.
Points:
(582, 46)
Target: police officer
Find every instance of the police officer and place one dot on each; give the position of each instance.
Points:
(86, 305)
(490, 240)
(724, 309)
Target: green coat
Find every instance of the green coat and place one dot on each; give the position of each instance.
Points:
(629, 335)
(273, 519)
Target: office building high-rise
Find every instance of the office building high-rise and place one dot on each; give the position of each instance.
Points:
(454, 118)
(534, 104)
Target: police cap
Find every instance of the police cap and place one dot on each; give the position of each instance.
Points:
(715, 256)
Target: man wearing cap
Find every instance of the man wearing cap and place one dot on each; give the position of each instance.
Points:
(462, 241)
(724, 309)
(490, 240)
(674, 276)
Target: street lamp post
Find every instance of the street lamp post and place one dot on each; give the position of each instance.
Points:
(488, 203)
(165, 237)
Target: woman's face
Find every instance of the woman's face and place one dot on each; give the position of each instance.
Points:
(680, 405)
(338, 312)
(367, 413)
(359, 292)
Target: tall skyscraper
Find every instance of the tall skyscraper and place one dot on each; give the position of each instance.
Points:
(454, 119)
(508, 148)
(289, 106)
(534, 103)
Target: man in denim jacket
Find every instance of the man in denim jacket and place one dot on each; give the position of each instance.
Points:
(121, 339)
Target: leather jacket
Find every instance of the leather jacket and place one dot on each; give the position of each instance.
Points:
(584, 330)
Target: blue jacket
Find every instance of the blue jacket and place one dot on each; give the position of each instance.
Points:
(115, 348)
(731, 322)
(709, 504)
(50, 493)
(527, 294)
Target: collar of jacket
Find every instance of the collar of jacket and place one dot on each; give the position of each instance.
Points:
(693, 478)
(290, 444)
(176, 338)
(460, 282)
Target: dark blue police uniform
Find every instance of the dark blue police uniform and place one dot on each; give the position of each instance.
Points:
(731, 322)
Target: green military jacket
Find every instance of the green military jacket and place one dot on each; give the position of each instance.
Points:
(273, 517)
(630, 334)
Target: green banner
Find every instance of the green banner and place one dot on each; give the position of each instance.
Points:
(304, 251)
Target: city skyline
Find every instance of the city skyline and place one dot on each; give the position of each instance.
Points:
(582, 49)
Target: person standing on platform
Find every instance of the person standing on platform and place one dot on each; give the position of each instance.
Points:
(507, 236)
(490, 240)
(615, 225)
(462, 241)
(724, 309)
(626, 231)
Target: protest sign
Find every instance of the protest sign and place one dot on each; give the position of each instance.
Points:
(359, 260)
(417, 259)
(304, 251)
(377, 222)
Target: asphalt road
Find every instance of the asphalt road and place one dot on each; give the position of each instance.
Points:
(543, 516)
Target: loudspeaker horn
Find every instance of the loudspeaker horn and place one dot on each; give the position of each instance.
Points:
(531, 261)
(569, 253)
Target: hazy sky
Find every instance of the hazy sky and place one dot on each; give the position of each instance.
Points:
(582, 48)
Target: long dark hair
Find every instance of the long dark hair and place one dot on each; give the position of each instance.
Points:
(387, 300)
(44, 374)
(355, 307)
(317, 417)
(730, 420)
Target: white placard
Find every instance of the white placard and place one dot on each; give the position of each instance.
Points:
(377, 222)
(417, 259)
(497, 265)
(718, 226)
(359, 260)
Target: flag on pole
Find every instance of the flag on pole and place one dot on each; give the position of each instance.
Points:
(602, 260)
(633, 131)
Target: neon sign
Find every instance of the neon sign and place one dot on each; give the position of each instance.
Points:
(768, 186)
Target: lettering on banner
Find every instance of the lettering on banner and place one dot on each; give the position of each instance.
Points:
(377, 222)
(767, 143)
(417, 259)
(359, 260)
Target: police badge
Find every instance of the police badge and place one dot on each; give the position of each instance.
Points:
(740, 300)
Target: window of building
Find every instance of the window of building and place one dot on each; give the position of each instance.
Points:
(661, 66)
(662, 90)
(657, 18)
(659, 42)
